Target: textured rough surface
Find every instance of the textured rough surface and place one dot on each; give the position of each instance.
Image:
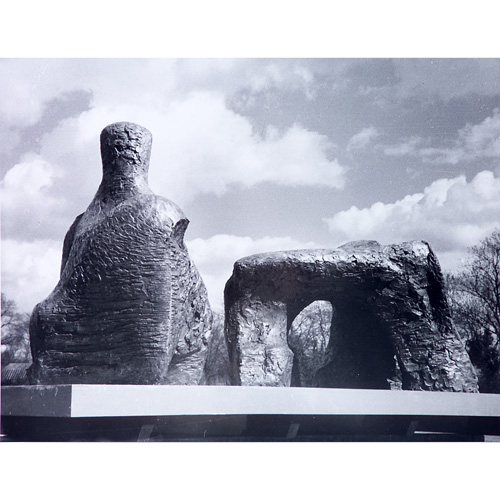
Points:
(391, 328)
(130, 307)
(15, 374)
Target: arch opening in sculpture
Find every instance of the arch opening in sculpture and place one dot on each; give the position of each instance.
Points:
(361, 354)
(345, 346)
(308, 338)
(392, 324)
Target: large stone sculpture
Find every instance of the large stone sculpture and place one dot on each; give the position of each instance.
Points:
(130, 307)
(391, 325)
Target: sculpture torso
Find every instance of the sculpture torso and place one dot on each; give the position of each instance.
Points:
(128, 292)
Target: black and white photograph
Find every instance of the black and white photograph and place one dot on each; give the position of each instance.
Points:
(233, 224)
(249, 247)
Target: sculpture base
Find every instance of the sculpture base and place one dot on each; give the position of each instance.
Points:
(229, 413)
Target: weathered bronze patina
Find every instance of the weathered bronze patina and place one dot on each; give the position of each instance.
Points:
(130, 307)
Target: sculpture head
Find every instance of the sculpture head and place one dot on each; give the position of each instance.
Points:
(125, 152)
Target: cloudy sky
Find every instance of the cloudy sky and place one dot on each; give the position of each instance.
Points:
(261, 154)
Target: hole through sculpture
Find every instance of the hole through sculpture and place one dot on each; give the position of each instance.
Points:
(130, 307)
(391, 324)
(308, 338)
(346, 346)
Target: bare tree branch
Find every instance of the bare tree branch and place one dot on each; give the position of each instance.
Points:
(474, 297)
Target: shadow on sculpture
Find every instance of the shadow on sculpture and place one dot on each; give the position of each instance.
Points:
(391, 326)
(323, 356)
(130, 307)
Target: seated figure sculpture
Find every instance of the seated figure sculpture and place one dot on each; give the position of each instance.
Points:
(130, 307)
(391, 326)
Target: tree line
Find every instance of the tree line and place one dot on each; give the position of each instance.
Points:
(474, 299)
(15, 336)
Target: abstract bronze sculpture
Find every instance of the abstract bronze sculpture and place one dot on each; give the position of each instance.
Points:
(130, 307)
(391, 325)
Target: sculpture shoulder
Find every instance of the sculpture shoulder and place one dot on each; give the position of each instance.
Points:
(169, 209)
(155, 209)
(141, 206)
(168, 213)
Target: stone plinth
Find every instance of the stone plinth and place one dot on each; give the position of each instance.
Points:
(89, 401)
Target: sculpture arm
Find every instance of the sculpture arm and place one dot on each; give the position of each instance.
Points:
(68, 242)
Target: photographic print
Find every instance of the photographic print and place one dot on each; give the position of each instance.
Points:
(250, 249)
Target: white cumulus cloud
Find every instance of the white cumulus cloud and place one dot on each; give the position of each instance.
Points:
(29, 207)
(215, 256)
(199, 146)
(451, 214)
(203, 147)
(27, 85)
(30, 270)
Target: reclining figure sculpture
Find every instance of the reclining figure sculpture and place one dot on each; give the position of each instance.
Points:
(391, 325)
(130, 307)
